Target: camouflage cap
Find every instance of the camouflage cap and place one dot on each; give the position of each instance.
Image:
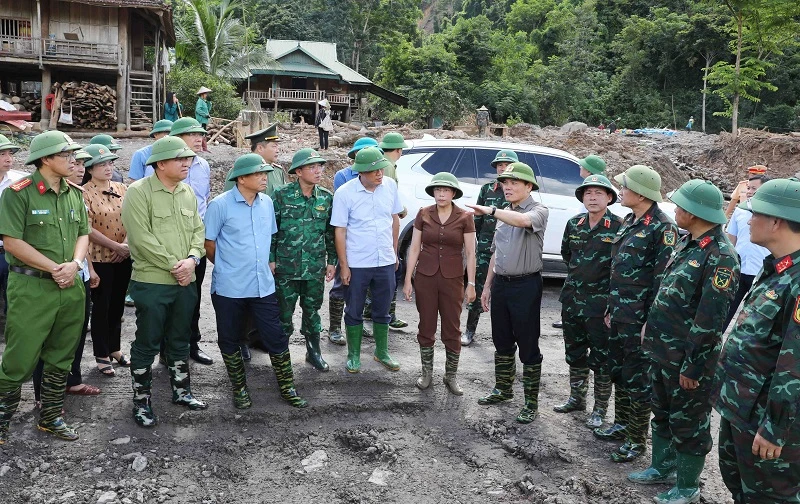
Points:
(519, 171)
(593, 164)
(162, 126)
(504, 156)
(49, 143)
(444, 179)
(370, 159)
(186, 125)
(596, 181)
(360, 144)
(643, 180)
(106, 140)
(702, 199)
(777, 198)
(248, 164)
(305, 157)
(392, 141)
(169, 147)
(99, 153)
(5, 144)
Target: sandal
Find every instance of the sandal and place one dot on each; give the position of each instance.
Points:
(122, 360)
(86, 389)
(104, 366)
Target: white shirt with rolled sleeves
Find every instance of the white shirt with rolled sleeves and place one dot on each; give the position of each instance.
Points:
(367, 216)
(751, 255)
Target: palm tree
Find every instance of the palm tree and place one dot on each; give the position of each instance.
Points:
(211, 36)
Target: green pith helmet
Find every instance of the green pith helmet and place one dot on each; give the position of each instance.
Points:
(596, 181)
(106, 140)
(305, 157)
(444, 179)
(5, 144)
(186, 125)
(642, 180)
(519, 171)
(99, 153)
(392, 141)
(162, 126)
(505, 156)
(370, 159)
(702, 199)
(247, 164)
(169, 147)
(360, 144)
(777, 198)
(593, 164)
(49, 143)
(82, 155)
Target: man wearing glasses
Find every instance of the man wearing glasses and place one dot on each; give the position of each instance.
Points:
(45, 230)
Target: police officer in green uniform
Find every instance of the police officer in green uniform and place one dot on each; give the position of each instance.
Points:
(639, 254)
(45, 231)
(265, 144)
(303, 254)
(586, 249)
(758, 373)
(491, 194)
(683, 337)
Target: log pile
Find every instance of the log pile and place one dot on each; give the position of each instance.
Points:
(94, 106)
(25, 103)
(222, 131)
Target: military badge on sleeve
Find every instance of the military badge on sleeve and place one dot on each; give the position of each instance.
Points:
(722, 278)
(670, 238)
(796, 316)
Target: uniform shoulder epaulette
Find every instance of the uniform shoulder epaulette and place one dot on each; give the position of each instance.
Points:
(73, 184)
(325, 190)
(21, 184)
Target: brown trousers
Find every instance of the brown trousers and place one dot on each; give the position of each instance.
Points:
(439, 296)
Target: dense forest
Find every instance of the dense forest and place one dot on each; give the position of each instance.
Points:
(727, 63)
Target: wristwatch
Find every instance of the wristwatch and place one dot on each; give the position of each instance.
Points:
(494, 209)
(196, 260)
(79, 263)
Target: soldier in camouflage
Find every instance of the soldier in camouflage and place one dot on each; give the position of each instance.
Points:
(491, 194)
(303, 254)
(639, 254)
(758, 374)
(683, 337)
(586, 249)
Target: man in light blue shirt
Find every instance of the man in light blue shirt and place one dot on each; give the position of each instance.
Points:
(365, 214)
(199, 179)
(239, 228)
(751, 255)
(139, 168)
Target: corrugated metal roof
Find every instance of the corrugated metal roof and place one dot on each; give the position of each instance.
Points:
(322, 53)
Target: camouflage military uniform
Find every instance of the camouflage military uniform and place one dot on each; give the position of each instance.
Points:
(758, 382)
(684, 337)
(584, 298)
(491, 194)
(303, 242)
(641, 250)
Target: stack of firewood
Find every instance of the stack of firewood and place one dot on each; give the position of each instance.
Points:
(94, 106)
(25, 103)
(228, 135)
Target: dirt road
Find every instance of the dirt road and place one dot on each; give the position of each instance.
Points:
(367, 438)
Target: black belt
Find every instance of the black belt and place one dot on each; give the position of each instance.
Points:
(30, 272)
(514, 278)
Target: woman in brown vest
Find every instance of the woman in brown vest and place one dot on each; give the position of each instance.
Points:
(444, 235)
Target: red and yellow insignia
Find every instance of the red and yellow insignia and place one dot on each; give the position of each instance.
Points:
(771, 294)
(784, 264)
(722, 278)
(704, 242)
(796, 315)
(41, 187)
(607, 223)
(670, 238)
(580, 222)
(694, 264)
(648, 219)
(21, 184)
(607, 239)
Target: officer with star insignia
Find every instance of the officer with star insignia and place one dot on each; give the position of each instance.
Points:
(683, 337)
(265, 144)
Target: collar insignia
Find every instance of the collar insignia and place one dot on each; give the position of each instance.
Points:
(784, 264)
(704, 242)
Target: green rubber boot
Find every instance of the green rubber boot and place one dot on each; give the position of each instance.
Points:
(662, 467)
(578, 386)
(282, 365)
(395, 323)
(687, 488)
(450, 371)
(54, 386)
(426, 356)
(8, 406)
(505, 370)
(531, 376)
(234, 364)
(313, 353)
(618, 430)
(354, 334)
(636, 443)
(181, 385)
(602, 393)
(335, 312)
(381, 333)
(142, 380)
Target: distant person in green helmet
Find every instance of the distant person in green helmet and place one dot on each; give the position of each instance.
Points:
(7, 151)
(112, 145)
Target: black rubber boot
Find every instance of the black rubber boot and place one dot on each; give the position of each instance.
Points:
(313, 353)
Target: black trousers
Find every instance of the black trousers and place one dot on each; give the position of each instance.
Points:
(323, 138)
(745, 282)
(515, 306)
(109, 304)
(230, 313)
(74, 377)
(200, 273)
